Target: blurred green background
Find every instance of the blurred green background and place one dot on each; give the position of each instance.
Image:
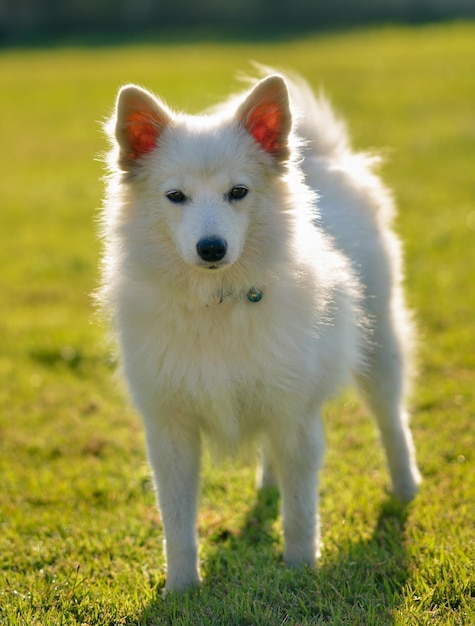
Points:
(36, 19)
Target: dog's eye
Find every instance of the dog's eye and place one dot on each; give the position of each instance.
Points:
(178, 197)
(238, 192)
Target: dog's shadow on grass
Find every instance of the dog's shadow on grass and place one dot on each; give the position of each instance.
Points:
(247, 583)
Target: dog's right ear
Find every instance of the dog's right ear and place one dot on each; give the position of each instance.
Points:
(140, 120)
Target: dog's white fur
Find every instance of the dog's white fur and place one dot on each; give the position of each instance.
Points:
(202, 361)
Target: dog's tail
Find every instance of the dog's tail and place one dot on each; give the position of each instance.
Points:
(316, 122)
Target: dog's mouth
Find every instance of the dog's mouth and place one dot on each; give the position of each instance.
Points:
(206, 266)
(215, 266)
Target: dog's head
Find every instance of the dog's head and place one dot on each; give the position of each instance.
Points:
(205, 179)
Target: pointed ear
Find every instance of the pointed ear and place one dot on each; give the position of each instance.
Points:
(265, 114)
(140, 120)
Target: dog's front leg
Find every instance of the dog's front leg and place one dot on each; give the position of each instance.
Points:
(297, 458)
(174, 453)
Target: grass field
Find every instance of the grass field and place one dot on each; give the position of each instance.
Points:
(80, 538)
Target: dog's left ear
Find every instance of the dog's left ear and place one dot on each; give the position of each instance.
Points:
(265, 114)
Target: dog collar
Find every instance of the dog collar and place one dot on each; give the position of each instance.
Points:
(253, 295)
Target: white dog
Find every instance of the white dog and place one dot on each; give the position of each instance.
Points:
(241, 300)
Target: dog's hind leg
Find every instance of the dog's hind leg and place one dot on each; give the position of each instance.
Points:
(266, 475)
(383, 388)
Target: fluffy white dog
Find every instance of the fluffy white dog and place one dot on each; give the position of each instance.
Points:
(241, 299)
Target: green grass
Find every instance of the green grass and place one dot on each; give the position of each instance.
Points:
(80, 538)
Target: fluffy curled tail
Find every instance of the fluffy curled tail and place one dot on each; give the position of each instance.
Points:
(316, 122)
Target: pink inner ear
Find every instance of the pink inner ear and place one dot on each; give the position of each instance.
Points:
(265, 125)
(142, 132)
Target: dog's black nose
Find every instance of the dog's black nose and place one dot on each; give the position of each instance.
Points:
(211, 249)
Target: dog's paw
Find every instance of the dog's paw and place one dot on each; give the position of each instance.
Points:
(180, 584)
(406, 488)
